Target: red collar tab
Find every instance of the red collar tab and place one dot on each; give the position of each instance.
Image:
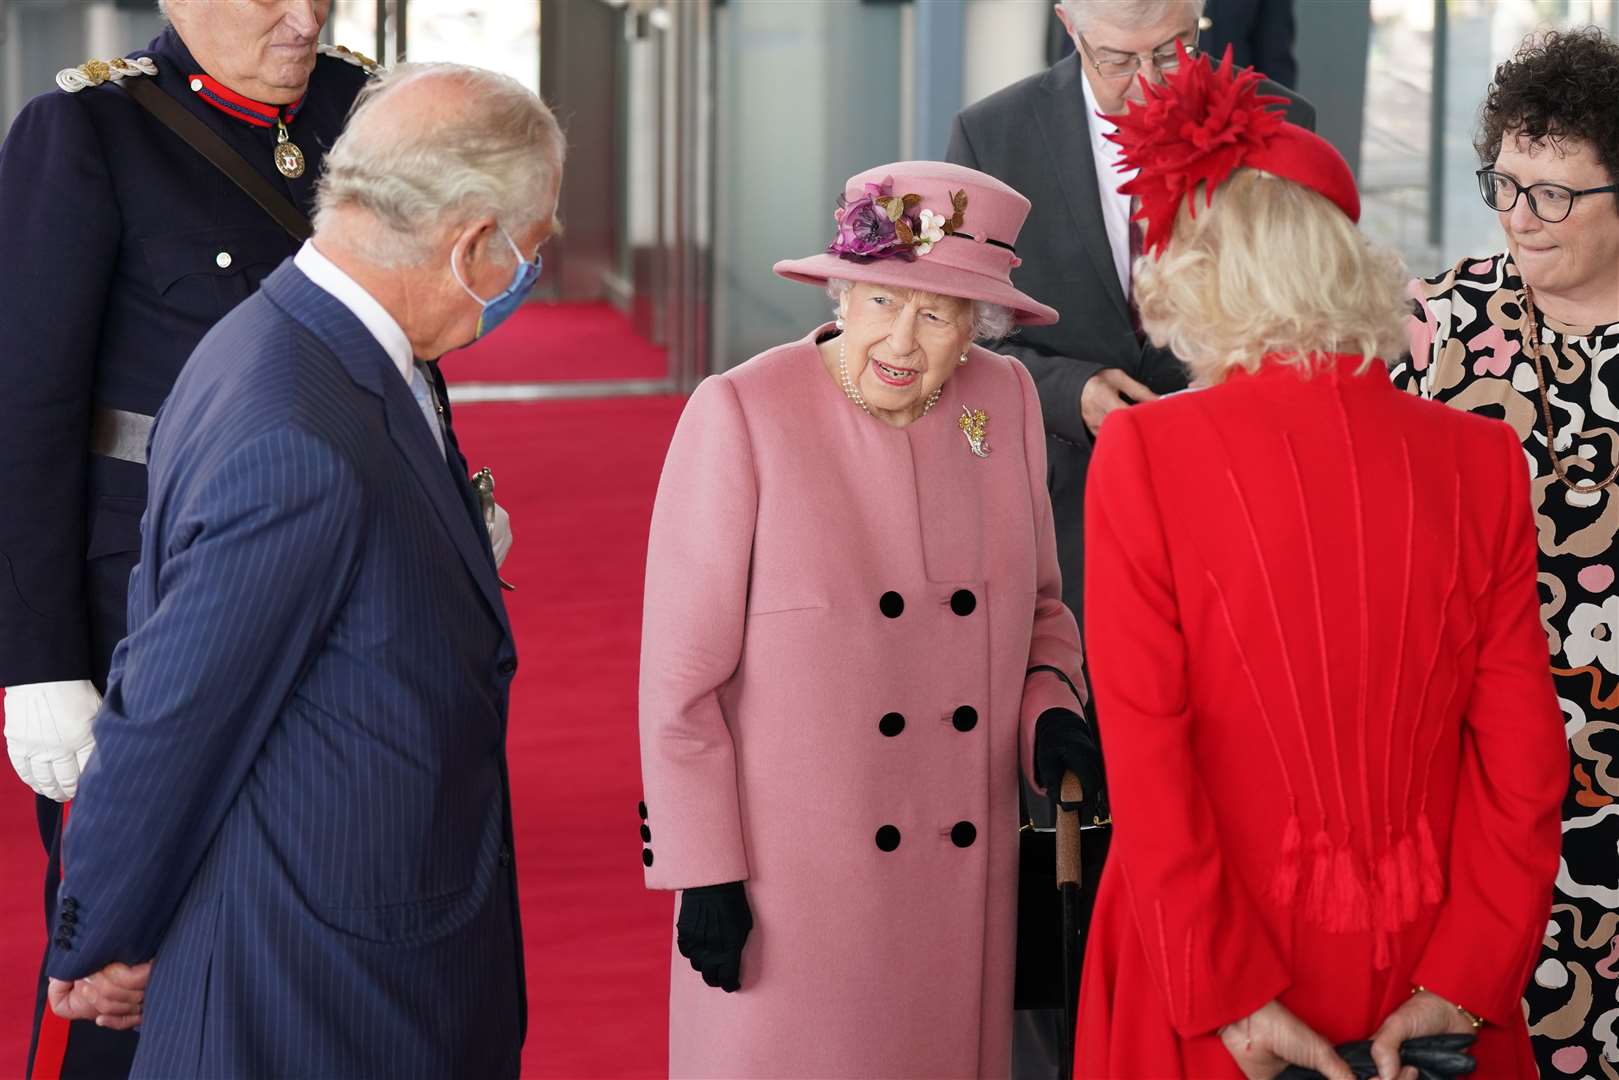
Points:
(231, 103)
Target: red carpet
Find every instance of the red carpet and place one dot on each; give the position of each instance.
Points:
(578, 478)
(559, 342)
(22, 919)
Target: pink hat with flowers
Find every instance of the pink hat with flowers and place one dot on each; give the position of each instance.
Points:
(929, 226)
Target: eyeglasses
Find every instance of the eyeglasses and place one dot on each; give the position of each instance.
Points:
(1550, 203)
(1112, 64)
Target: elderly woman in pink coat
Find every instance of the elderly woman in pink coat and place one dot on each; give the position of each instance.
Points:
(853, 639)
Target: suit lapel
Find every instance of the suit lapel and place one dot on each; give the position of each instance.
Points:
(453, 506)
(369, 365)
(1067, 134)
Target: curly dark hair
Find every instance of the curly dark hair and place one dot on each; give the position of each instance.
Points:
(1560, 85)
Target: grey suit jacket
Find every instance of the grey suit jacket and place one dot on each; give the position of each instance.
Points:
(1035, 136)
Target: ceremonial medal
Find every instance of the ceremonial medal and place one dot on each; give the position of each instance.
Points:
(289, 160)
(972, 423)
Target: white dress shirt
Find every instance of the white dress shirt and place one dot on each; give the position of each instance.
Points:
(348, 292)
(1115, 207)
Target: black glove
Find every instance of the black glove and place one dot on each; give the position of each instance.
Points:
(1435, 1057)
(1064, 742)
(710, 931)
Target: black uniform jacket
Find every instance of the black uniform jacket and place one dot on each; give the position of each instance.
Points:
(122, 248)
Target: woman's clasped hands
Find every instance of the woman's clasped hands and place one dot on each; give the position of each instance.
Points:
(1271, 1038)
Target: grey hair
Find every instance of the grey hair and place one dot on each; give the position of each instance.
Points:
(1126, 14)
(991, 322)
(502, 158)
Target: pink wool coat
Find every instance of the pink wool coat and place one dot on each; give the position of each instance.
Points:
(840, 621)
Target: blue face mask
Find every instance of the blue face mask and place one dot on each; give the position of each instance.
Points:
(498, 308)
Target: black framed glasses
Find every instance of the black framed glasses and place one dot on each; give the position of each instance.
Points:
(1550, 203)
(1112, 64)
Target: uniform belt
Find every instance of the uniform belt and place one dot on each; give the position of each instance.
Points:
(118, 434)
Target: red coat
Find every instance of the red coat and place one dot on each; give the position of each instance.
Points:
(1335, 756)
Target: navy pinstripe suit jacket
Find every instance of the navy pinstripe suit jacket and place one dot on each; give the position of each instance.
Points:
(299, 801)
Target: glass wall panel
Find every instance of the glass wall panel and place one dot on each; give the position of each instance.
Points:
(503, 36)
(807, 93)
(1395, 156)
(1428, 71)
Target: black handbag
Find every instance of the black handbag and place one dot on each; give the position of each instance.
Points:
(1038, 982)
(1435, 1057)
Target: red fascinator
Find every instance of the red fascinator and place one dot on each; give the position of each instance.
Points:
(1202, 124)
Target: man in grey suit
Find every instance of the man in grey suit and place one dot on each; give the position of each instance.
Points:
(1043, 137)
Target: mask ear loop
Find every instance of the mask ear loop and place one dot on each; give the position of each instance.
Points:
(455, 273)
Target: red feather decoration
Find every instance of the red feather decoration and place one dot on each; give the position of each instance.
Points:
(1198, 127)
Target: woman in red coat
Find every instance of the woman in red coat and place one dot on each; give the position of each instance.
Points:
(1334, 753)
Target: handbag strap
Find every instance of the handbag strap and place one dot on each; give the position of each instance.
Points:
(197, 135)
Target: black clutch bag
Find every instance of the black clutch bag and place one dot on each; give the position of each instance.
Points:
(1435, 1057)
(1038, 982)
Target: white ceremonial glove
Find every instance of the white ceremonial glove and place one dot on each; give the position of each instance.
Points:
(48, 734)
(500, 535)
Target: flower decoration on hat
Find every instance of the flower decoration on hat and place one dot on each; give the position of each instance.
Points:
(882, 225)
(1196, 128)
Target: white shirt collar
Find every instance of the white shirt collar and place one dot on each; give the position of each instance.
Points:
(348, 292)
(1115, 206)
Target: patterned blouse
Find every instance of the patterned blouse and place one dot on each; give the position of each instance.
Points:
(1468, 350)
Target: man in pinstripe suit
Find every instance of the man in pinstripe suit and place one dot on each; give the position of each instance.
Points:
(317, 671)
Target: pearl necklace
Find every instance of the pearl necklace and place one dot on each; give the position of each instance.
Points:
(854, 394)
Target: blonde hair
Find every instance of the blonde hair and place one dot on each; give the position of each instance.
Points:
(1270, 267)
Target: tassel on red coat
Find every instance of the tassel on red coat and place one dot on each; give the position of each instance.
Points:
(1318, 904)
(1406, 860)
(1350, 908)
(1386, 897)
(1284, 886)
(1433, 885)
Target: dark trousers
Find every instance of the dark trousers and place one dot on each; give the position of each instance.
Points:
(92, 1053)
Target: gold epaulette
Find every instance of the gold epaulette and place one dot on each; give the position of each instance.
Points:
(96, 72)
(359, 60)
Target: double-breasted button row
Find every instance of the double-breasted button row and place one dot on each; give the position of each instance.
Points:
(962, 834)
(965, 718)
(962, 602)
(646, 835)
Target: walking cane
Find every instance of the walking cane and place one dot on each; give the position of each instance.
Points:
(1068, 879)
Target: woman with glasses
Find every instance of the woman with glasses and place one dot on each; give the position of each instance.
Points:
(1531, 336)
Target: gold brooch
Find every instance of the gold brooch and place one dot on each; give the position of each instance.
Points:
(971, 422)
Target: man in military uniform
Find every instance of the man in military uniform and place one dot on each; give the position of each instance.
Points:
(124, 246)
